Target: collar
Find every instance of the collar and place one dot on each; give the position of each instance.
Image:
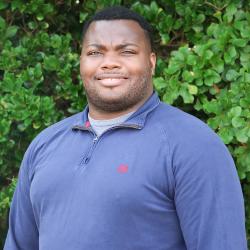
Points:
(136, 120)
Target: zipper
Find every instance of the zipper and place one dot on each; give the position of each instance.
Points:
(96, 138)
(86, 159)
(78, 127)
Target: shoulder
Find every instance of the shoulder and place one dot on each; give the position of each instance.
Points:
(60, 127)
(195, 150)
(181, 127)
(46, 136)
(188, 138)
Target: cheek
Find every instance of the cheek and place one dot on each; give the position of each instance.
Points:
(139, 65)
(87, 68)
(141, 70)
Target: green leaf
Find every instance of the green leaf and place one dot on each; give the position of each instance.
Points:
(218, 64)
(211, 77)
(244, 57)
(186, 96)
(235, 111)
(188, 76)
(83, 16)
(48, 8)
(170, 97)
(172, 68)
(3, 5)
(213, 122)
(238, 122)
(212, 107)
(56, 41)
(32, 25)
(240, 14)
(240, 25)
(2, 23)
(245, 33)
(36, 125)
(232, 75)
(192, 89)
(232, 51)
(239, 42)
(226, 135)
(208, 54)
(21, 127)
(17, 4)
(230, 11)
(200, 18)
(178, 56)
(230, 54)
(164, 39)
(241, 135)
(178, 24)
(38, 71)
(159, 83)
(197, 28)
(192, 60)
(247, 77)
(40, 17)
(44, 25)
(154, 7)
(180, 9)
(199, 82)
(11, 31)
(217, 14)
(5, 126)
(213, 29)
(51, 63)
(199, 49)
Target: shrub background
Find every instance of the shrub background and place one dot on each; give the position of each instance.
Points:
(203, 67)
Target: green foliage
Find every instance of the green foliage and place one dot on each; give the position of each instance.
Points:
(203, 67)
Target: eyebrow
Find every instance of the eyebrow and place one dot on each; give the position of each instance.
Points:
(117, 47)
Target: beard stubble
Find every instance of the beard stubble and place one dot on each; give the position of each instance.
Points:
(137, 91)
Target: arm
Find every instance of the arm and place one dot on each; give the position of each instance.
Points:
(208, 195)
(23, 232)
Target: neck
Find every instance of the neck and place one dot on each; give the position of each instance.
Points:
(98, 114)
(105, 115)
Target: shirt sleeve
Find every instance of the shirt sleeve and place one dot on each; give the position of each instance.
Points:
(23, 232)
(208, 195)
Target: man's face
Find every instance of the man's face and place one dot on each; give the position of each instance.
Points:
(116, 65)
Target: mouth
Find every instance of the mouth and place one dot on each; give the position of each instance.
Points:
(111, 80)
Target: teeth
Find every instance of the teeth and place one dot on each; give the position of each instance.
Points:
(111, 80)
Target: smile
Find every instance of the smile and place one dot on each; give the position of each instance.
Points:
(111, 81)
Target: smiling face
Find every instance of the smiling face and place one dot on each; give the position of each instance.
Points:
(116, 67)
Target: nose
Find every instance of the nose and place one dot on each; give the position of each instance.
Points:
(110, 62)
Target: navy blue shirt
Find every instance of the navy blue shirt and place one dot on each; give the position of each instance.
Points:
(162, 180)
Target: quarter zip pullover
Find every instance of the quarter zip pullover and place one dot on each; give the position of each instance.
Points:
(161, 180)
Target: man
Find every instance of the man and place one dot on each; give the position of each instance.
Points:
(129, 172)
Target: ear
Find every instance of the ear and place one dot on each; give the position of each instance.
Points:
(152, 62)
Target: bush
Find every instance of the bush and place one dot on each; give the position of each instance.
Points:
(203, 67)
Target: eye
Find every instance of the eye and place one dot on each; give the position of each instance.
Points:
(128, 52)
(94, 53)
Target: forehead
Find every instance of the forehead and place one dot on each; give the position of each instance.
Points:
(115, 31)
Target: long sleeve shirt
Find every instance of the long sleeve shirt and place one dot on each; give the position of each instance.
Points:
(161, 180)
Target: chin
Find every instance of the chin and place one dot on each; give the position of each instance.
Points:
(112, 94)
(115, 100)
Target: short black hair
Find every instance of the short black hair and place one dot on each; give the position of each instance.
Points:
(121, 13)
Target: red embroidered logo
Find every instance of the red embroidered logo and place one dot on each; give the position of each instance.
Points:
(87, 124)
(122, 169)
